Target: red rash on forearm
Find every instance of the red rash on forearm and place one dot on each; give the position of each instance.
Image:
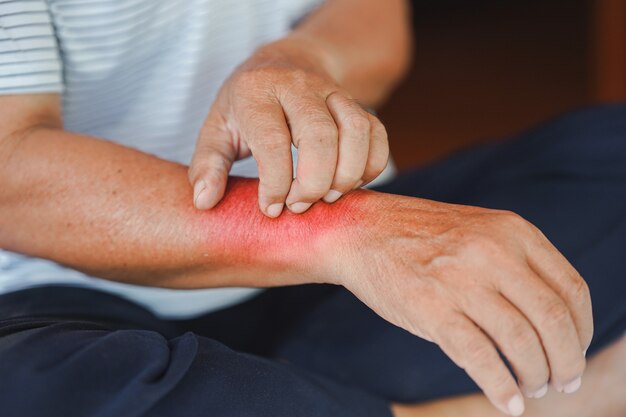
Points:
(139, 224)
(247, 238)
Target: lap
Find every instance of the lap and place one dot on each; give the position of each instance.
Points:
(77, 367)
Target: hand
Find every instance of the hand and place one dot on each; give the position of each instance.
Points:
(473, 281)
(283, 95)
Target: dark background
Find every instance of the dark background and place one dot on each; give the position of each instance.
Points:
(487, 69)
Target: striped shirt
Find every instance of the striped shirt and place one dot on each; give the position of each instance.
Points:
(141, 73)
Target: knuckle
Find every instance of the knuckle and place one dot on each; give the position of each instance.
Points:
(514, 220)
(313, 189)
(480, 248)
(322, 130)
(273, 189)
(270, 146)
(580, 290)
(501, 381)
(246, 82)
(522, 338)
(356, 122)
(259, 126)
(478, 354)
(346, 179)
(555, 314)
(275, 186)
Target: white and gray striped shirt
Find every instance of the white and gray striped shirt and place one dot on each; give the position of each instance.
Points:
(142, 73)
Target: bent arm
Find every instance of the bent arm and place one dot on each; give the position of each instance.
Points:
(365, 45)
(121, 214)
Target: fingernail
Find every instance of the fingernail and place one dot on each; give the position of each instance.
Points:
(274, 210)
(200, 195)
(299, 207)
(516, 406)
(573, 386)
(358, 185)
(541, 392)
(332, 196)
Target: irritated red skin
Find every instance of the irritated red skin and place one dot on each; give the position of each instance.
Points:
(248, 237)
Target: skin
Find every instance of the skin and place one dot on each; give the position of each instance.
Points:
(444, 272)
(307, 89)
(471, 280)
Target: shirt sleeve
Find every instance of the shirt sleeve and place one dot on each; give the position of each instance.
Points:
(29, 54)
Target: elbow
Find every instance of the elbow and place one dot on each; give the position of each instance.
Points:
(15, 177)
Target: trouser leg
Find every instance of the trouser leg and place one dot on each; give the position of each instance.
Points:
(127, 364)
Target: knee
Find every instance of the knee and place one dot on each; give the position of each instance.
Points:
(75, 369)
(233, 384)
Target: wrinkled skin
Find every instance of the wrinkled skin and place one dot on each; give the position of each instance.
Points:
(471, 280)
(283, 95)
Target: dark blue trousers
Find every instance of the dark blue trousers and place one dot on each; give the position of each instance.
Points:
(316, 350)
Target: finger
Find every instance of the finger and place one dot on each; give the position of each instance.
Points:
(563, 278)
(552, 321)
(354, 144)
(315, 134)
(379, 150)
(211, 162)
(515, 337)
(472, 350)
(265, 130)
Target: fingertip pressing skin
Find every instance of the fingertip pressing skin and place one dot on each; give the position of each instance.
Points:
(299, 207)
(206, 195)
(274, 210)
(332, 196)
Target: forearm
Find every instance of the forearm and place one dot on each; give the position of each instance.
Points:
(121, 214)
(364, 44)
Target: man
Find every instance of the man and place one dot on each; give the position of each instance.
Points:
(169, 255)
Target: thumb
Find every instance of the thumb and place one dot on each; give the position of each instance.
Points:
(211, 163)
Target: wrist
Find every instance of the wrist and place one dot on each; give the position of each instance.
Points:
(307, 52)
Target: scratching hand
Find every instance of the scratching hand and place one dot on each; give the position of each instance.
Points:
(281, 96)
